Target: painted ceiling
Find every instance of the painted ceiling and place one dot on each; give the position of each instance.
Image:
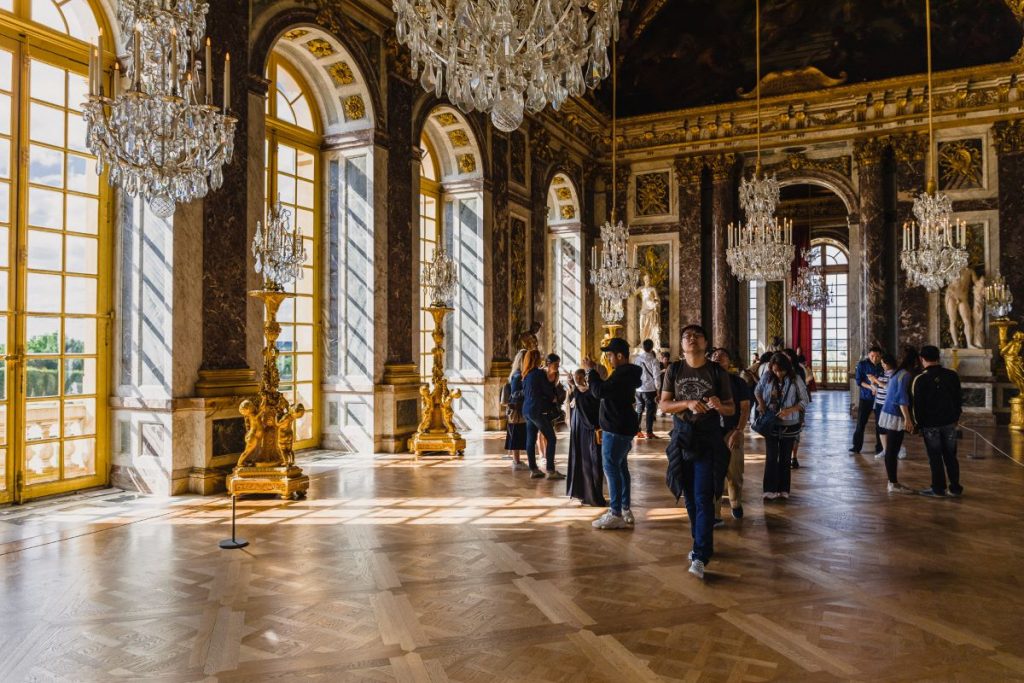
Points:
(685, 53)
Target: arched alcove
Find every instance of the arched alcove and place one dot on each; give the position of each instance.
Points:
(565, 271)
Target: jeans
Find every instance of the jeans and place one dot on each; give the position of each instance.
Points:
(940, 442)
(865, 409)
(614, 453)
(893, 443)
(699, 495)
(646, 400)
(541, 424)
(778, 463)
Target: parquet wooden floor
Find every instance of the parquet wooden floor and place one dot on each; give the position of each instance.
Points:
(463, 571)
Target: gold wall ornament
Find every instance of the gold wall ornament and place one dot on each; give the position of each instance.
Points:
(689, 171)
(458, 138)
(295, 34)
(652, 194)
(437, 432)
(1009, 136)
(267, 465)
(801, 162)
(466, 162)
(960, 164)
(1012, 350)
(446, 118)
(341, 73)
(355, 108)
(567, 211)
(792, 81)
(563, 192)
(320, 48)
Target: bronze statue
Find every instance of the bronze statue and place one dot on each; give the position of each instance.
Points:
(1014, 360)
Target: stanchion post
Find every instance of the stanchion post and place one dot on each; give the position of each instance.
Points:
(233, 543)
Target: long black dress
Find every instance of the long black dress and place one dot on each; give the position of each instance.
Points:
(586, 474)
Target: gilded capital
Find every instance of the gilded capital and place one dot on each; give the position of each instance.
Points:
(869, 151)
(1009, 136)
(910, 148)
(689, 170)
(722, 167)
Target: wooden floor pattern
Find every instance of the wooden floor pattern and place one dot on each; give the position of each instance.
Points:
(461, 570)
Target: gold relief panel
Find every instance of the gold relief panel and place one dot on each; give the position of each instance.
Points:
(652, 198)
(467, 163)
(568, 212)
(960, 164)
(446, 119)
(296, 33)
(320, 48)
(458, 138)
(341, 73)
(559, 180)
(563, 193)
(355, 108)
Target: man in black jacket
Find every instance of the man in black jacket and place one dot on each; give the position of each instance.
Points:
(936, 406)
(619, 424)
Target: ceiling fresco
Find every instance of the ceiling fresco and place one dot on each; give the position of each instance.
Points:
(685, 53)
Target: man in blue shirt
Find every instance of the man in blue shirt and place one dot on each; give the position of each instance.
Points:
(866, 368)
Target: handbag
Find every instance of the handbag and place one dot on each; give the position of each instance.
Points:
(764, 422)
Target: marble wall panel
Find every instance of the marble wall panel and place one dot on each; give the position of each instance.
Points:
(499, 304)
(724, 316)
(909, 153)
(1010, 148)
(875, 284)
(689, 172)
(399, 277)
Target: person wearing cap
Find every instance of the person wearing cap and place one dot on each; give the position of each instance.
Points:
(936, 405)
(647, 394)
(619, 424)
(698, 394)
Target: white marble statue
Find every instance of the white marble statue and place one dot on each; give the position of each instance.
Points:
(650, 312)
(979, 311)
(959, 307)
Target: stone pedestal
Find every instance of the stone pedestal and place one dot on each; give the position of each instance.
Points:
(396, 407)
(970, 363)
(977, 383)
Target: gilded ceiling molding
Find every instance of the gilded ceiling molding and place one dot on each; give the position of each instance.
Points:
(1009, 136)
(795, 163)
(791, 81)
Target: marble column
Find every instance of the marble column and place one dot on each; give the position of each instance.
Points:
(1009, 140)
(537, 292)
(875, 285)
(228, 214)
(689, 173)
(723, 285)
(499, 304)
(909, 152)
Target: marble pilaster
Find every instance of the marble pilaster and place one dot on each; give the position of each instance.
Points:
(722, 286)
(1009, 141)
(689, 174)
(875, 285)
(499, 305)
(909, 152)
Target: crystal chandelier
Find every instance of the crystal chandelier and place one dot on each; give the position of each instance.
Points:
(934, 245)
(441, 278)
(762, 249)
(162, 136)
(998, 299)
(810, 291)
(278, 250)
(504, 56)
(614, 278)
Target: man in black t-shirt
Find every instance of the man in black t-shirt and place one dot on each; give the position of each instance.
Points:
(697, 392)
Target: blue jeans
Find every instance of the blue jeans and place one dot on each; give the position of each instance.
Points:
(541, 424)
(940, 442)
(614, 451)
(699, 494)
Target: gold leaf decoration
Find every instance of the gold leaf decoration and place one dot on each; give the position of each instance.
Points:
(467, 163)
(960, 165)
(568, 211)
(564, 193)
(355, 108)
(458, 138)
(320, 48)
(654, 263)
(296, 33)
(652, 194)
(446, 119)
(341, 73)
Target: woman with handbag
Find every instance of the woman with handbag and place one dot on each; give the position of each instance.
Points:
(515, 429)
(780, 399)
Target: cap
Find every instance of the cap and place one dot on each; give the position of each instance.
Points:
(617, 345)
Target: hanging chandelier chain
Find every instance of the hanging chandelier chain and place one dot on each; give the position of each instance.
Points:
(757, 58)
(615, 101)
(930, 184)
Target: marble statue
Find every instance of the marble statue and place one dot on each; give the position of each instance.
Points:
(979, 312)
(959, 306)
(650, 312)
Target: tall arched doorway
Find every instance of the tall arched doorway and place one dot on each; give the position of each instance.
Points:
(55, 211)
(452, 216)
(565, 271)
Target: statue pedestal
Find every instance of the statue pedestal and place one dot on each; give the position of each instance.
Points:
(970, 363)
(976, 382)
(286, 481)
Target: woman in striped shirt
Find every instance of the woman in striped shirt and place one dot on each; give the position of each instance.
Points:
(880, 384)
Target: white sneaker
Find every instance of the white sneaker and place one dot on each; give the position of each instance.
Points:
(518, 466)
(768, 495)
(609, 521)
(903, 453)
(879, 455)
(898, 488)
(785, 495)
(627, 517)
(697, 569)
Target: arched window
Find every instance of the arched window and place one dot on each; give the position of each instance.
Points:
(566, 274)
(293, 178)
(830, 334)
(430, 239)
(55, 301)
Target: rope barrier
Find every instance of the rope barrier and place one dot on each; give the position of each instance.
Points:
(977, 435)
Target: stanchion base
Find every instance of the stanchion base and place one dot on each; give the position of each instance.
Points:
(233, 543)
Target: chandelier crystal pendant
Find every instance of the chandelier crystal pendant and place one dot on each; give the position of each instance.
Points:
(810, 291)
(278, 250)
(760, 250)
(935, 244)
(441, 279)
(507, 56)
(162, 137)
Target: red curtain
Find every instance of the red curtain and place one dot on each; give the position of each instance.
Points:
(801, 340)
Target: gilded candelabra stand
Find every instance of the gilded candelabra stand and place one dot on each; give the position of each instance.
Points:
(436, 432)
(999, 301)
(267, 465)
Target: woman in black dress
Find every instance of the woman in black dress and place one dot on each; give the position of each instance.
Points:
(586, 473)
(515, 431)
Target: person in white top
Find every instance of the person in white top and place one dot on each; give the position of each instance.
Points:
(647, 394)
